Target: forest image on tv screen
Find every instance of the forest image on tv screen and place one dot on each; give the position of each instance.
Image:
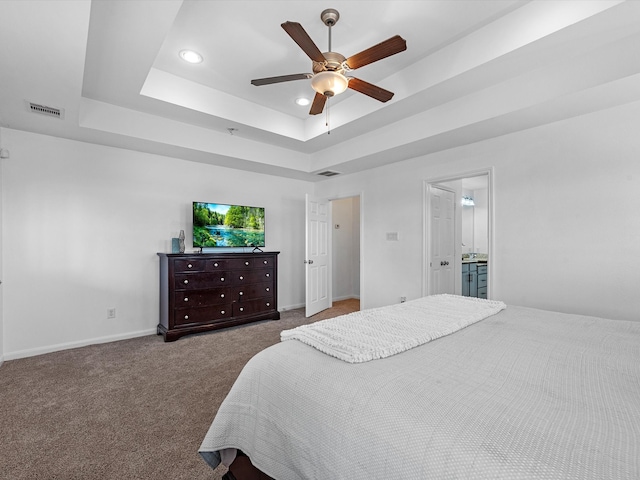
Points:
(218, 225)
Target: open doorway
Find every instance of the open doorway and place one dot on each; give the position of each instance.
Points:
(345, 239)
(470, 236)
(332, 253)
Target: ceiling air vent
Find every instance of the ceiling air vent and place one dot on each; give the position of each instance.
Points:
(328, 173)
(44, 110)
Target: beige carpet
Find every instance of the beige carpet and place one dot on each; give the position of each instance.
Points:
(134, 409)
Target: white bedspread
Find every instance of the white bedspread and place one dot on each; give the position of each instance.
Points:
(523, 394)
(381, 332)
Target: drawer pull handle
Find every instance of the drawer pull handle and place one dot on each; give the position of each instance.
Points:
(268, 304)
(190, 266)
(186, 281)
(266, 274)
(186, 299)
(222, 279)
(267, 289)
(242, 309)
(222, 312)
(222, 295)
(241, 293)
(241, 277)
(246, 263)
(186, 317)
(215, 264)
(265, 262)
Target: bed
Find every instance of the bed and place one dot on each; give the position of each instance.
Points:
(520, 394)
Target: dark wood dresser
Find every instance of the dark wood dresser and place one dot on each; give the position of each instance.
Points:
(208, 291)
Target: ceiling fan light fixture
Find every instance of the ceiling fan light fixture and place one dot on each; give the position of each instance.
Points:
(329, 83)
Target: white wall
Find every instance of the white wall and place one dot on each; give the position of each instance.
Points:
(355, 258)
(475, 220)
(1, 251)
(468, 226)
(345, 212)
(481, 220)
(82, 224)
(566, 224)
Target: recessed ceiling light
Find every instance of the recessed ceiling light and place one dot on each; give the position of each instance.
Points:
(302, 101)
(190, 56)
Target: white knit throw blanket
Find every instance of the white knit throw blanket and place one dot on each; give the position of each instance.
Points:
(380, 332)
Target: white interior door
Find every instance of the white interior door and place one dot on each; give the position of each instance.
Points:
(442, 240)
(318, 255)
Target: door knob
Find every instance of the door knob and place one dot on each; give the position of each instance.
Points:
(308, 261)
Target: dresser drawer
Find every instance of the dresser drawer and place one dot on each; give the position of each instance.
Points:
(188, 265)
(482, 280)
(482, 292)
(191, 281)
(482, 269)
(201, 298)
(217, 264)
(263, 262)
(253, 306)
(186, 316)
(247, 263)
(254, 290)
(241, 263)
(253, 276)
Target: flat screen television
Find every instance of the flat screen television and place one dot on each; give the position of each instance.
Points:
(222, 225)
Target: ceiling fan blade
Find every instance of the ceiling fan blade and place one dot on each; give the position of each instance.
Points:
(283, 78)
(302, 38)
(318, 104)
(382, 50)
(369, 89)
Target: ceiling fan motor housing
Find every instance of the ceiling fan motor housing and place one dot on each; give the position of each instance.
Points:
(334, 63)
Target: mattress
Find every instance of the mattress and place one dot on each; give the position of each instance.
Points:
(522, 394)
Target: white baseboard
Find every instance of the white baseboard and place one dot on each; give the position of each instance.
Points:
(32, 352)
(346, 297)
(302, 305)
(291, 307)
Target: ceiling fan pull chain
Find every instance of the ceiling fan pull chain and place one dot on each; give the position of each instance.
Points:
(328, 117)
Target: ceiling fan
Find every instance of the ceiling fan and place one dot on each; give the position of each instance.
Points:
(329, 68)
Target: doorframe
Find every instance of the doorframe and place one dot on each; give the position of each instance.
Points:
(426, 240)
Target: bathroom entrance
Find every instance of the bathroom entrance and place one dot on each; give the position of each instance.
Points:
(470, 243)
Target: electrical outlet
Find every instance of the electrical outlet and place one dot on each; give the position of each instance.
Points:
(111, 313)
(403, 299)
